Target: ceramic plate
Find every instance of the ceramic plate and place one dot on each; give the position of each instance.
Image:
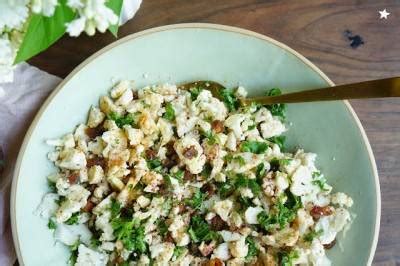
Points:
(188, 52)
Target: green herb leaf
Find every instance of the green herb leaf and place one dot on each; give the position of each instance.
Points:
(254, 146)
(200, 230)
(74, 252)
(276, 109)
(116, 6)
(162, 227)
(51, 224)
(196, 200)
(52, 186)
(212, 138)
(154, 164)
(115, 208)
(44, 31)
(243, 181)
(95, 242)
(169, 112)
(194, 92)
(286, 258)
(260, 171)
(73, 219)
(130, 233)
(121, 121)
(178, 251)
(279, 140)
(229, 98)
(206, 170)
(225, 189)
(309, 237)
(253, 251)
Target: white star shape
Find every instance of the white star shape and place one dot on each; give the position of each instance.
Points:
(384, 14)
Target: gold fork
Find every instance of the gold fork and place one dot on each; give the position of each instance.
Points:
(381, 88)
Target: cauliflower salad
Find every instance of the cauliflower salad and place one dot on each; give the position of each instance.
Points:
(167, 176)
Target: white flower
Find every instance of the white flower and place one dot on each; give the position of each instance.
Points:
(44, 7)
(7, 54)
(94, 14)
(13, 14)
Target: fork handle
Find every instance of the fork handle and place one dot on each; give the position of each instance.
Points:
(381, 88)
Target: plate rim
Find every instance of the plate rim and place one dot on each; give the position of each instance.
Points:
(211, 26)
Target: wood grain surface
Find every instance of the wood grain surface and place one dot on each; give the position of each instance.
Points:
(315, 29)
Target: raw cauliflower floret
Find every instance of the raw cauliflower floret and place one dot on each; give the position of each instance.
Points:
(178, 230)
(89, 257)
(223, 208)
(125, 98)
(95, 174)
(251, 214)
(76, 198)
(71, 159)
(107, 106)
(332, 224)
(207, 106)
(115, 140)
(301, 181)
(67, 141)
(342, 200)
(96, 117)
(304, 221)
(233, 122)
(222, 252)
(239, 248)
(194, 163)
(120, 88)
(134, 135)
(162, 253)
(166, 131)
(272, 128)
(251, 160)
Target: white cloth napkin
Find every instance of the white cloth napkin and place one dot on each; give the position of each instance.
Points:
(19, 102)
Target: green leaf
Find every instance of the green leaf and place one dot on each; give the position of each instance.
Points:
(309, 237)
(73, 219)
(115, 208)
(254, 147)
(229, 98)
(178, 251)
(162, 227)
(278, 109)
(200, 230)
(279, 140)
(196, 200)
(286, 257)
(253, 251)
(44, 31)
(121, 121)
(51, 224)
(116, 6)
(169, 112)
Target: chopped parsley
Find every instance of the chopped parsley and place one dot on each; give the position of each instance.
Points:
(281, 214)
(199, 230)
(279, 140)
(319, 181)
(154, 164)
(162, 227)
(277, 109)
(178, 251)
(206, 170)
(74, 252)
(211, 137)
(95, 242)
(169, 112)
(52, 186)
(243, 181)
(115, 208)
(196, 200)
(309, 237)
(253, 251)
(179, 175)
(121, 121)
(194, 92)
(225, 189)
(260, 171)
(73, 219)
(229, 99)
(254, 146)
(238, 159)
(51, 224)
(130, 233)
(286, 258)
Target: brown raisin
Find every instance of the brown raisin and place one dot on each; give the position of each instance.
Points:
(217, 224)
(190, 152)
(317, 211)
(213, 262)
(89, 206)
(217, 126)
(96, 160)
(151, 154)
(92, 133)
(73, 178)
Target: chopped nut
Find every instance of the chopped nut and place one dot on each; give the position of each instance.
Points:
(217, 126)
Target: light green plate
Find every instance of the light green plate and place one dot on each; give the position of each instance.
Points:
(188, 52)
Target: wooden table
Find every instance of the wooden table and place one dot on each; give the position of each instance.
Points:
(315, 30)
